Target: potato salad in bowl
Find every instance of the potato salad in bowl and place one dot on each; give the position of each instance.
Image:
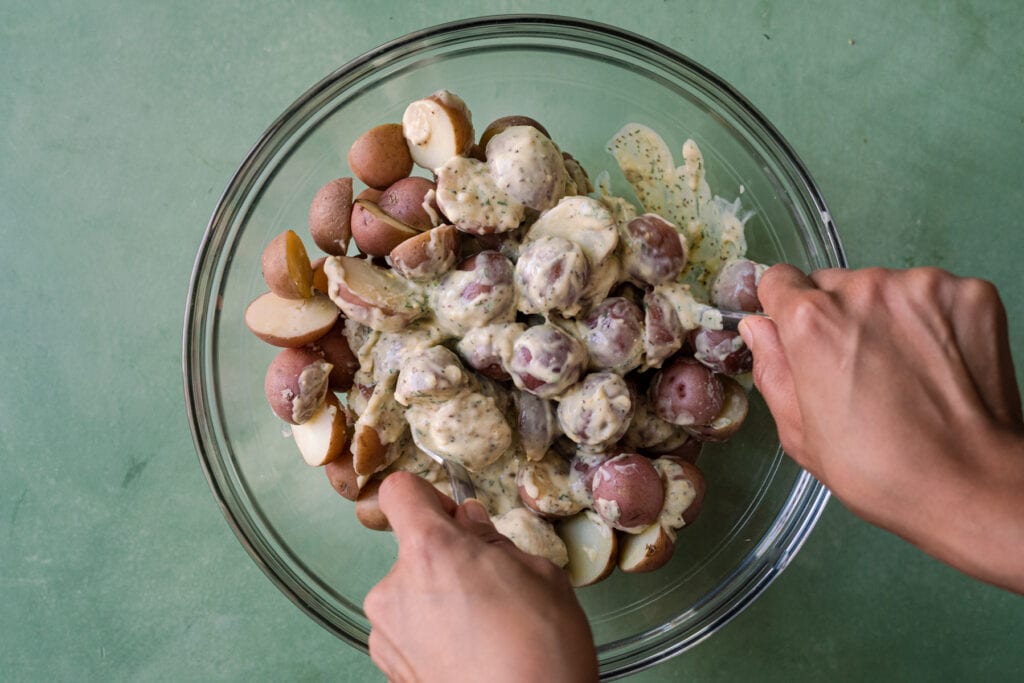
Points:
(483, 298)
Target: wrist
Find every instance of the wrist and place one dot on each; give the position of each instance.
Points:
(982, 527)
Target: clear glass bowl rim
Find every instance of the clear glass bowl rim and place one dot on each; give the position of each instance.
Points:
(807, 498)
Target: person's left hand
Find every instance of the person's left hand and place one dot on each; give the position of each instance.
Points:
(463, 603)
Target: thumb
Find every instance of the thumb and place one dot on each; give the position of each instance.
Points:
(774, 380)
(472, 516)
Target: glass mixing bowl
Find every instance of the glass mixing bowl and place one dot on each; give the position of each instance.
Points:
(583, 81)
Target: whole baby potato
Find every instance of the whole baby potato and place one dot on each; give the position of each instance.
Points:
(330, 216)
(404, 201)
(685, 392)
(498, 125)
(296, 384)
(628, 492)
(380, 157)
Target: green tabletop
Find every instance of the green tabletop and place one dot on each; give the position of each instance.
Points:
(121, 124)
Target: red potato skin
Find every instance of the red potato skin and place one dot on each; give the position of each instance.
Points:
(684, 392)
(380, 157)
(373, 234)
(421, 250)
(282, 380)
(735, 287)
(368, 510)
(403, 201)
(333, 347)
(330, 215)
(342, 476)
(630, 481)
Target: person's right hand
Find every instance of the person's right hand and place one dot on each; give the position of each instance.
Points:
(896, 389)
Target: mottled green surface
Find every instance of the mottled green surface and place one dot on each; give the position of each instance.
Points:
(121, 123)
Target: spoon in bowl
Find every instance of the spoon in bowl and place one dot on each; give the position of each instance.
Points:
(462, 485)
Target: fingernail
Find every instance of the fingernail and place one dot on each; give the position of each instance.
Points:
(476, 511)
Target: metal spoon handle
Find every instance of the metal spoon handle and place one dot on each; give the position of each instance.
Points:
(731, 319)
(462, 485)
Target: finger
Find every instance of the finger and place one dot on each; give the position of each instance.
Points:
(829, 278)
(472, 516)
(981, 332)
(774, 380)
(412, 505)
(778, 284)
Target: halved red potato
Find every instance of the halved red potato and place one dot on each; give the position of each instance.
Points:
(286, 267)
(323, 437)
(646, 551)
(342, 475)
(368, 510)
(370, 194)
(371, 295)
(319, 276)
(330, 216)
(290, 323)
(437, 128)
(368, 453)
(407, 201)
(380, 157)
(375, 232)
(684, 487)
(592, 547)
(544, 487)
(296, 383)
(729, 419)
(428, 255)
(333, 347)
(628, 492)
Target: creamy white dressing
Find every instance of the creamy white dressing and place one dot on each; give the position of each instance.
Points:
(597, 411)
(679, 494)
(312, 389)
(429, 375)
(457, 314)
(496, 485)
(690, 312)
(532, 535)
(551, 275)
(582, 220)
(437, 257)
(469, 196)
(527, 166)
(546, 482)
(467, 428)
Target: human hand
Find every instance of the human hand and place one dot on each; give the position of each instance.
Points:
(463, 603)
(896, 389)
